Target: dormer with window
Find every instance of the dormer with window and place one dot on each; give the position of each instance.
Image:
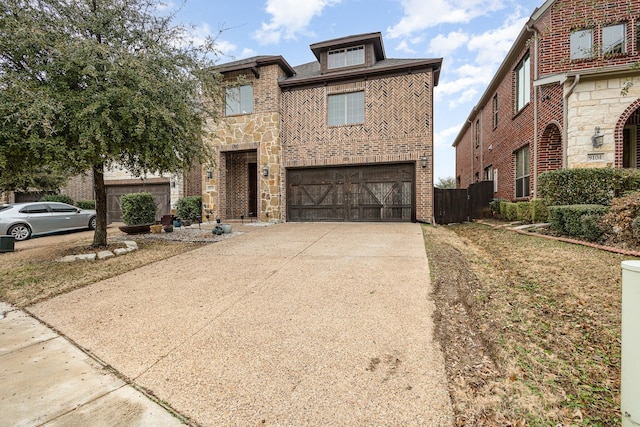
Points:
(349, 53)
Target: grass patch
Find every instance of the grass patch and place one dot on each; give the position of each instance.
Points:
(541, 322)
(33, 275)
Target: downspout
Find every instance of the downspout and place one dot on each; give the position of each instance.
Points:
(535, 109)
(472, 148)
(565, 120)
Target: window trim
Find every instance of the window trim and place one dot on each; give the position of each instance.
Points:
(525, 177)
(581, 53)
(345, 111)
(344, 57)
(495, 111)
(624, 39)
(522, 75)
(237, 110)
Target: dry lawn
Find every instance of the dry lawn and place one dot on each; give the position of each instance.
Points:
(530, 327)
(32, 275)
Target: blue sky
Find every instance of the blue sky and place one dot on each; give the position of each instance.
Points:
(472, 37)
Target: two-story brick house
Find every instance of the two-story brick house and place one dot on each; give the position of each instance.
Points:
(348, 137)
(566, 96)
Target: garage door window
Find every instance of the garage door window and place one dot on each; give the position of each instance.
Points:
(346, 109)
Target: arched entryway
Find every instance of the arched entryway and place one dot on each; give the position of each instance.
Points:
(550, 149)
(626, 136)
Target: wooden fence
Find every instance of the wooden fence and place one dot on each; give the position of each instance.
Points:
(460, 205)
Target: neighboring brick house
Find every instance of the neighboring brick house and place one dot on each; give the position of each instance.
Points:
(348, 137)
(566, 96)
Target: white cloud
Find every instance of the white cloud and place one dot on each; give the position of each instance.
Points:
(420, 14)
(289, 18)
(445, 137)
(247, 53)
(403, 46)
(443, 45)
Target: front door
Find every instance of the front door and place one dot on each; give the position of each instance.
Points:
(629, 147)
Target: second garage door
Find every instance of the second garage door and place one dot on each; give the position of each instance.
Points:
(354, 193)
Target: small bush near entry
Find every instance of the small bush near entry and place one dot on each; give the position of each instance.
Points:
(189, 207)
(494, 205)
(568, 219)
(511, 211)
(523, 210)
(539, 212)
(138, 208)
(57, 198)
(591, 227)
(86, 204)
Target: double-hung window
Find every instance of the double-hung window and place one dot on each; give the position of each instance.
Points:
(346, 108)
(345, 57)
(523, 88)
(614, 39)
(239, 100)
(581, 44)
(522, 172)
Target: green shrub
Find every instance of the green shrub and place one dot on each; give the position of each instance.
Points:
(138, 208)
(511, 211)
(494, 205)
(63, 198)
(539, 212)
(189, 207)
(591, 227)
(586, 186)
(568, 219)
(86, 204)
(523, 212)
(503, 208)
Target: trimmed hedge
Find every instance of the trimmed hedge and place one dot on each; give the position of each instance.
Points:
(63, 198)
(569, 219)
(138, 208)
(86, 204)
(189, 207)
(523, 212)
(586, 186)
(539, 211)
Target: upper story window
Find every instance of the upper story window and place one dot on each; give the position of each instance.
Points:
(614, 39)
(495, 111)
(239, 100)
(523, 84)
(581, 44)
(477, 133)
(638, 36)
(345, 57)
(346, 108)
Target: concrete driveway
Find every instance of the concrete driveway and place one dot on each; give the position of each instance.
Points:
(292, 324)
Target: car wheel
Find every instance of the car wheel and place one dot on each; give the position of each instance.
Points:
(92, 223)
(20, 232)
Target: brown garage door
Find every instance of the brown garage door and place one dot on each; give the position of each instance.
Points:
(161, 192)
(362, 193)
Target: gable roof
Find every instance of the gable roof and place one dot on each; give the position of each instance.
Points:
(254, 62)
(310, 73)
(374, 38)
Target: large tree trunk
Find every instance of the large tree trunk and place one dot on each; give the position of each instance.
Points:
(100, 235)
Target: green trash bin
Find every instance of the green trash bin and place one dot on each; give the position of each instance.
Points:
(6, 243)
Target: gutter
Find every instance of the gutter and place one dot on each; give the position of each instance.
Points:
(533, 30)
(565, 120)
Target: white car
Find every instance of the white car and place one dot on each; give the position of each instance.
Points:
(23, 220)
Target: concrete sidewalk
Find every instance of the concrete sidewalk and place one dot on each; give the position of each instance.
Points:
(45, 380)
(292, 324)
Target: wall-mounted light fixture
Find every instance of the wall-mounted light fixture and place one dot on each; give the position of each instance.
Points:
(265, 170)
(423, 161)
(598, 138)
(209, 174)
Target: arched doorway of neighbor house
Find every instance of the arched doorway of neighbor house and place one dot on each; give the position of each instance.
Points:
(626, 138)
(550, 149)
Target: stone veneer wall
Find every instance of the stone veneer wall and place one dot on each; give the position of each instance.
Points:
(596, 103)
(258, 132)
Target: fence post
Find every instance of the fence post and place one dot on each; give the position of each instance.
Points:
(630, 383)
